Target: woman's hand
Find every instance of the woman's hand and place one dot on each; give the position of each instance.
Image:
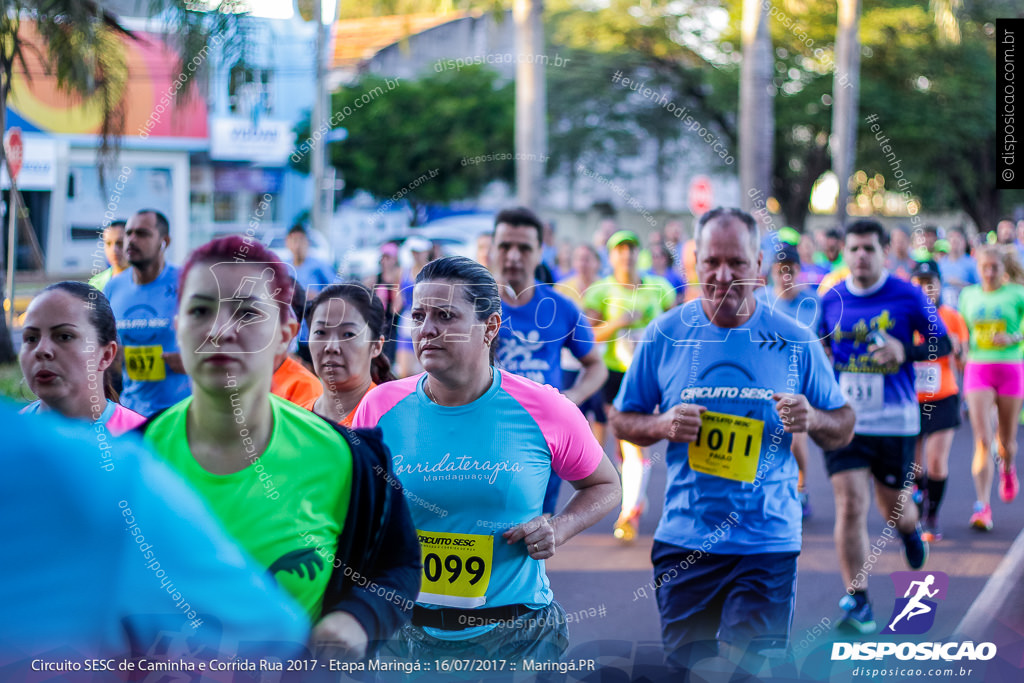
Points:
(341, 630)
(539, 536)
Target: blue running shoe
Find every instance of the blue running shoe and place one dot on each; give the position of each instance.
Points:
(858, 618)
(915, 548)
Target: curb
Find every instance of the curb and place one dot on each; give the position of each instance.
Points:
(994, 605)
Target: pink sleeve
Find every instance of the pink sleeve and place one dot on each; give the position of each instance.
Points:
(381, 399)
(123, 420)
(575, 453)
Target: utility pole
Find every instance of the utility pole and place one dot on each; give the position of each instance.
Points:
(319, 122)
(757, 115)
(531, 101)
(845, 98)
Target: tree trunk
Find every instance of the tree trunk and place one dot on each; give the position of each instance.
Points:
(757, 116)
(845, 99)
(531, 101)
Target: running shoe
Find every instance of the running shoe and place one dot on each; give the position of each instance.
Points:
(982, 517)
(856, 618)
(805, 503)
(1008, 484)
(932, 531)
(626, 528)
(915, 548)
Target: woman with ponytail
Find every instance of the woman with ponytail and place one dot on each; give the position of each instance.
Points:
(346, 339)
(68, 343)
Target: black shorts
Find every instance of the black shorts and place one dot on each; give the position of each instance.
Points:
(593, 407)
(888, 457)
(941, 414)
(611, 385)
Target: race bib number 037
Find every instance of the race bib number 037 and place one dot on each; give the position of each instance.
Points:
(727, 446)
(456, 568)
(145, 363)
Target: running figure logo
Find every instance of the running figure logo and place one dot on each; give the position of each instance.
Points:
(914, 613)
(252, 301)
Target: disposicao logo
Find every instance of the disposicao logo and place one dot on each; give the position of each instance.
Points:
(914, 613)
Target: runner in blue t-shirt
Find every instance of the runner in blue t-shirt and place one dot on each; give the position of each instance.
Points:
(786, 294)
(870, 320)
(311, 273)
(144, 299)
(537, 322)
(154, 573)
(731, 383)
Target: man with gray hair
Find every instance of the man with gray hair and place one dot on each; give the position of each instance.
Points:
(731, 383)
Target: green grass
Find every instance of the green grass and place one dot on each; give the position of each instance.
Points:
(11, 385)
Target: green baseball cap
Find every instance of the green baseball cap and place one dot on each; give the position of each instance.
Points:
(622, 237)
(789, 236)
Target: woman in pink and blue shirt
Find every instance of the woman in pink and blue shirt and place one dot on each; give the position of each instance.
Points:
(68, 342)
(473, 447)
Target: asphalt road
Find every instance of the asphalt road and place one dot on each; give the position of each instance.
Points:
(596, 579)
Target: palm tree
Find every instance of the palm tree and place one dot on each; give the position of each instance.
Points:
(80, 42)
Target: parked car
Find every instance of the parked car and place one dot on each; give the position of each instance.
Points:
(456, 235)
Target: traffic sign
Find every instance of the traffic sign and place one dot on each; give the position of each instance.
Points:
(700, 195)
(14, 150)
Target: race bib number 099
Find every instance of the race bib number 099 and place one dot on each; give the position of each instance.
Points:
(727, 446)
(456, 568)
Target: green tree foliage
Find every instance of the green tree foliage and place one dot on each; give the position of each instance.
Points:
(596, 121)
(440, 124)
(935, 102)
(944, 131)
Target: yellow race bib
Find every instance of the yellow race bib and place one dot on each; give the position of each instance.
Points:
(727, 446)
(145, 363)
(985, 330)
(456, 568)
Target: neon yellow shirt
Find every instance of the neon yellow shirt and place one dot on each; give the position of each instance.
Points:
(612, 299)
(288, 507)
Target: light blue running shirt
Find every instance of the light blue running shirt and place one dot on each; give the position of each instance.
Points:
(683, 358)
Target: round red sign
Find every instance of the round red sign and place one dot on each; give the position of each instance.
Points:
(14, 151)
(700, 195)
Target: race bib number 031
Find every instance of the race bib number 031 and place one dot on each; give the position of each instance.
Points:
(145, 363)
(727, 446)
(864, 390)
(456, 568)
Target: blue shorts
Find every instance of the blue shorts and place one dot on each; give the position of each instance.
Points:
(744, 600)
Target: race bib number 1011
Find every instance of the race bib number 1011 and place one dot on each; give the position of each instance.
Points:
(727, 446)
